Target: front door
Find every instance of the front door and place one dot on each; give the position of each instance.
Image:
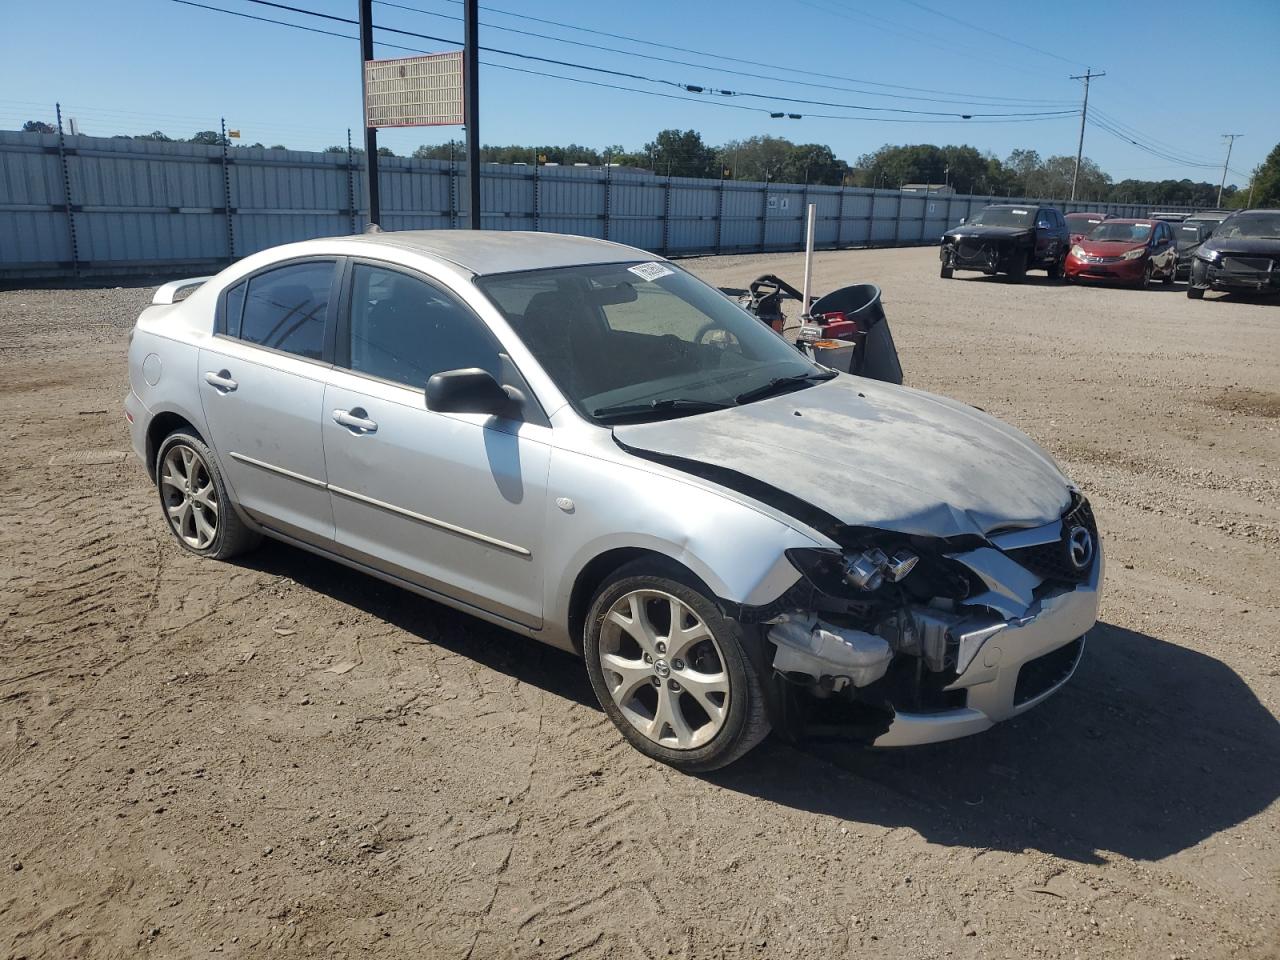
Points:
(453, 502)
(262, 383)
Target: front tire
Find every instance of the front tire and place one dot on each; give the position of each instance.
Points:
(1195, 293)
(674, 675)
(195, 501)
(1055, 270)
(1018, 267)
(946, 272)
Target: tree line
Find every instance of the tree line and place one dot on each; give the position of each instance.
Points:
(683, 153)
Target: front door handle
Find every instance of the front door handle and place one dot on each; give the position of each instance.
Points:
(221, 381)
(355, 419)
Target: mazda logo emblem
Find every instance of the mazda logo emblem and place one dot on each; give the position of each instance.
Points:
(1080, 547)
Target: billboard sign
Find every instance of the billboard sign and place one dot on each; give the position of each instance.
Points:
(421, 91)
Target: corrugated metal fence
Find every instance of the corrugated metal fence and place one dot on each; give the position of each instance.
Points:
(86, 205)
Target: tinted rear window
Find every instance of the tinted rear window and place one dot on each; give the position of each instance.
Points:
(285, 309)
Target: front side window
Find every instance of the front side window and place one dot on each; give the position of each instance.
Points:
(644, 339)
(285, 309)
(405, 330)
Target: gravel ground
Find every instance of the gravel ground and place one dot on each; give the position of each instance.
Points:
(283, 758)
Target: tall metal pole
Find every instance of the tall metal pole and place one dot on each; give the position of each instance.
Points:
(1231, 142)
(370, 133)
(471, 105)
(1084, 113)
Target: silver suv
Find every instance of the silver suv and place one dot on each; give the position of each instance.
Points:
(589, 446)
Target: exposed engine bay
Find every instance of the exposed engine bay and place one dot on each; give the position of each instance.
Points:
(896, 623)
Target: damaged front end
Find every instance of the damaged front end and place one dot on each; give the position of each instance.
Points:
(907, 639)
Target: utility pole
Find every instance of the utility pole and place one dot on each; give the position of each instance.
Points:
(370, 133)
(471, 104)
(1231, 142)
(1084, 113)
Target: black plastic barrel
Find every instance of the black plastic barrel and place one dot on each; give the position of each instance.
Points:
(878, 357)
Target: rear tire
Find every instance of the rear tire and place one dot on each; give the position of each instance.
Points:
(1195, 293)
(690, 695)
(197, 508)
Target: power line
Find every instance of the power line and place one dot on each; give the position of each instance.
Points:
(991, 33)
(693, 88)
(1147, 138)
(972, 98)
(581, 80)
(756, 74)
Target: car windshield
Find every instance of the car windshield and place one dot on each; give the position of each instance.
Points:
(1005, 217)
(645, 340)
(1258, 226)
(1128, 232)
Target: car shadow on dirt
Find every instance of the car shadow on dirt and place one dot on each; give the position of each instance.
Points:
(1148, 751)
(526, 660)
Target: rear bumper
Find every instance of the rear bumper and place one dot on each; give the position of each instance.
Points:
(1015, 670)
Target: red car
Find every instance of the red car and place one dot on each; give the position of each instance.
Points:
(1125, 251)
(1080, 225)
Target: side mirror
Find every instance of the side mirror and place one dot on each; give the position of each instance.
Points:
(470, 390)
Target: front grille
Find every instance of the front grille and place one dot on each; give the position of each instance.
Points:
(1246, 265)
(1052, 561)
(976, 250)
(1042, 674)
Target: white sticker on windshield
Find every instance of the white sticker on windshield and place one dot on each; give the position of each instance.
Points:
(1023, 212)
(650, 271)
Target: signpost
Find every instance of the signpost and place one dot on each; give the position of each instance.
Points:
(425, 91)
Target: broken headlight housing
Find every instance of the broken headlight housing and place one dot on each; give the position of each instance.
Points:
(855, 571)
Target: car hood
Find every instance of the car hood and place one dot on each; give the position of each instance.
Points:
(1109, 248)
(981, 232)
(1248, 246)
(870, 454)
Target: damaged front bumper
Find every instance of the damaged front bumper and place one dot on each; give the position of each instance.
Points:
(1015, 669)
(942, 670)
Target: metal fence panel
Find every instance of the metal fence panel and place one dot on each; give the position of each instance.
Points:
(138, 205)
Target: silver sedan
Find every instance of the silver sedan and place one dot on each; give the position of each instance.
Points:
(587, 445)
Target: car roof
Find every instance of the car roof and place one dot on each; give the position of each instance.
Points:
(504, 251)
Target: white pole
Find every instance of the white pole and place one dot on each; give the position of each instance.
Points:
(808, 255)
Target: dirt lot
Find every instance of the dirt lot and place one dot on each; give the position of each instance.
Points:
(283, 758)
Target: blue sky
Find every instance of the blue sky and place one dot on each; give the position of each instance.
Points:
(128, 66)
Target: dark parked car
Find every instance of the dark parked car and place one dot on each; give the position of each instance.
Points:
(1125, 251)
(1208, 218)
(1007, 238)
(1080, 225)
(1189, 235)
(1242, 254)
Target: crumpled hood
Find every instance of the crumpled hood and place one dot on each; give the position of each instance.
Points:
(1245, 246)
(874, 454)
(980, 232)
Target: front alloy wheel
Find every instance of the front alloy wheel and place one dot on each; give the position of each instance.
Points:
(671, 671)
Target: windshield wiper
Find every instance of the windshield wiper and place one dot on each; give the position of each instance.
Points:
(779, 384)
(626, 411)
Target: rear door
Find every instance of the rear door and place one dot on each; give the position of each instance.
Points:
(262, 389)
(451, 501)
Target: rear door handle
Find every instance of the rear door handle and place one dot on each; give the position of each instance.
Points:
(355, 419)
(221, 381)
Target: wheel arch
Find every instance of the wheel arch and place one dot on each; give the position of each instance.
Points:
(602, 566)
(162, 424)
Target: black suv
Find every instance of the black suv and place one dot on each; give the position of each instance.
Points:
(1243, 254)
(1007, 238)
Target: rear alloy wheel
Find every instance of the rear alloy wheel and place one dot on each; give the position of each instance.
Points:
(195, 500)
(672, 672)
